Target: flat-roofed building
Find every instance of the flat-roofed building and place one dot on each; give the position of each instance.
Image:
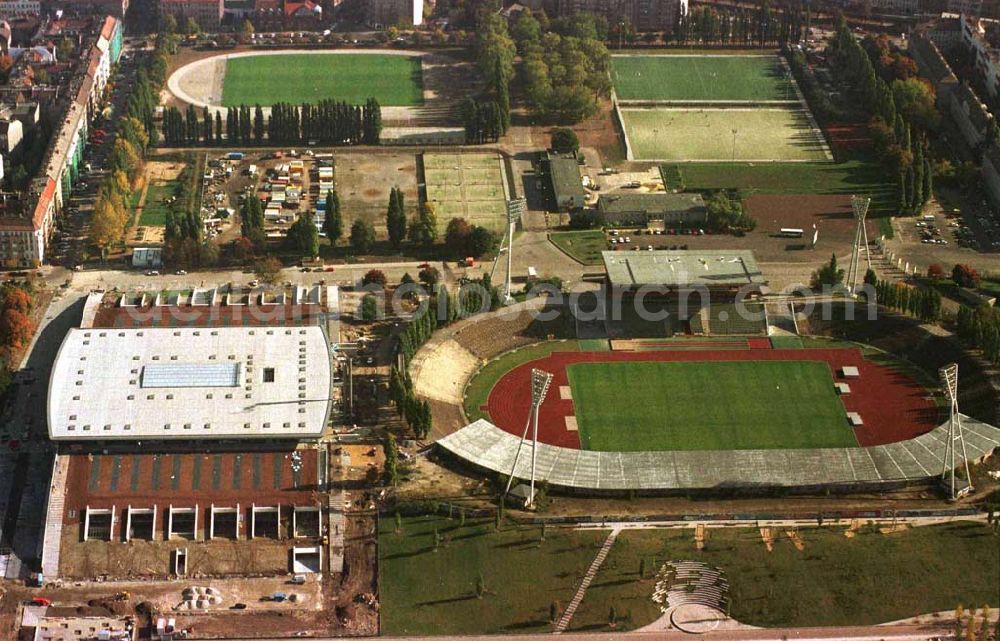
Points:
(721, 270)
(191, 383)
(621, 208)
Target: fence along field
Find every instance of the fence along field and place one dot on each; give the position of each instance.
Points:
(713, 108)
(469, 186)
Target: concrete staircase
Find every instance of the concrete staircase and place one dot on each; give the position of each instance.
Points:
(567, 615)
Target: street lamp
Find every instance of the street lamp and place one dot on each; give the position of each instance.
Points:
(734, 130)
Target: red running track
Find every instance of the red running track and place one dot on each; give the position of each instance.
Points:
(894, 407)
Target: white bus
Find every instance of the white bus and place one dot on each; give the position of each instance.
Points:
(790, 232)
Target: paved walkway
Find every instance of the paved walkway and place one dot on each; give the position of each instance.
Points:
(567, 615)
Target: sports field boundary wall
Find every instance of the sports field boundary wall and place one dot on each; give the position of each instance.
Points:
(619, 122)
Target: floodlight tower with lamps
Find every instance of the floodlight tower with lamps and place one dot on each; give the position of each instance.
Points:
(949, 378)
(540, 383)
(860, 206)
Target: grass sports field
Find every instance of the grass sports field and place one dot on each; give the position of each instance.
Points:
(640, 406)
(311, 77)
(469, 186)
(700, 77)
(762, 134)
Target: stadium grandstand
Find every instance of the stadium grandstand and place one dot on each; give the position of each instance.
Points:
(684, 292)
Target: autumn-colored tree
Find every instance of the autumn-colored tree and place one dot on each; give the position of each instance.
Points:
(106, 224)
(268, 269)
(16, 328)
(125, 157)
(17, 298)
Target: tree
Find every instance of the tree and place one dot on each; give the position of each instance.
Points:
(965, 276)
(612, 617)
(935, 272)
(871, 278)
(553, 612)
(480, 586)
(16, 328)
(246, 30)
(267, 269)
(191, 27)
(391, 459)
(423, 230)
(333, 224)
(362, 236)
(374, 277)
(395, 218)
(829, 275)
(456, 236)
(369, 308)
(482, 241)
(168, 24)
(303, 237)
(17, 298)
(429, 276)
(565, 141)
(64, 50)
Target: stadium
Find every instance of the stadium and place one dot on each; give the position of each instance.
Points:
(711, 107)
(718, 400)
(249, 77)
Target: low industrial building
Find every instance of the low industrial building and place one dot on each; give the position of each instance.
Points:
(624, 208)
(562, 174)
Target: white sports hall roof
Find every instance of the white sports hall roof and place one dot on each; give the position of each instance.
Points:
(190, 383)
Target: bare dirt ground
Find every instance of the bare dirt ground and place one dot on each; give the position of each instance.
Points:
(365, 179)
(135, 559)
(449, 367)
(349, 610)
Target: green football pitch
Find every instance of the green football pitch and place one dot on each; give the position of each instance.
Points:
(311, 77)
(641, 406)
(762, 134)
(700, 78)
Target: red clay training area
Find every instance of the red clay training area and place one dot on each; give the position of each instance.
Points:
(894, 407)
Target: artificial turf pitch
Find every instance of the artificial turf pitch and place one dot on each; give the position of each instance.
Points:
(311, 77)
(643, 406)
(700, 78)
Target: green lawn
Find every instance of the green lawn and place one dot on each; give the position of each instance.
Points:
(638, 406)
(762, 134)
(478, 390)
(154, 212)
(859, 175)
(872, 578)
(428, 591)
(583, 246)
(700, 77)
(311, 77)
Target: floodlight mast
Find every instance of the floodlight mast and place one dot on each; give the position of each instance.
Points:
(515, 209)
(540, 383)
(956, 439)
(860, 206)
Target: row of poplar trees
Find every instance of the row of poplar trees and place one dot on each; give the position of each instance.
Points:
(328, 122)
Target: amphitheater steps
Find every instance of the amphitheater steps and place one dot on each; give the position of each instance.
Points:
(567, 615)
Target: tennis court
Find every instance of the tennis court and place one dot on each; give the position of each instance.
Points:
(469, 186)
